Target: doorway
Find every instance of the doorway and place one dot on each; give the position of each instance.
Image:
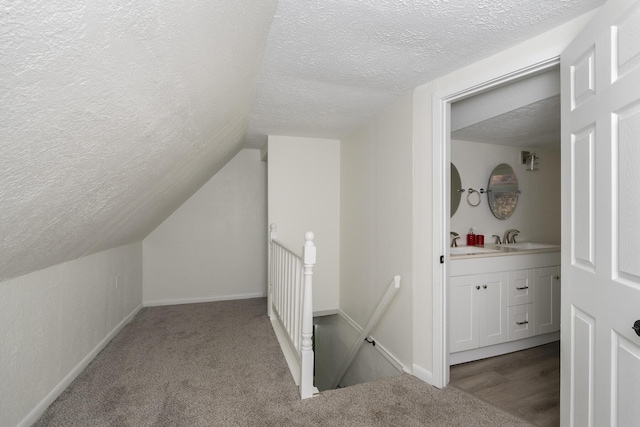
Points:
(514, 127)
(442, 121)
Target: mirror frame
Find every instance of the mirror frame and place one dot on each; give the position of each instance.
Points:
(503, 191)
(456, 189)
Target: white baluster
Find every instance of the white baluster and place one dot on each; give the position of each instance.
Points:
(306, 374)
(273, 234)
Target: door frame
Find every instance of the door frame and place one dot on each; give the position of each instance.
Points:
(441, 119)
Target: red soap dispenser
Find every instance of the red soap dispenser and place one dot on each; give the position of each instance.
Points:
(471, 237)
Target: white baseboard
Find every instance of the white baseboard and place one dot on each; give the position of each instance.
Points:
(156, 303)
(422, 374)
(39, 409)
(504, 348)
(380, 348)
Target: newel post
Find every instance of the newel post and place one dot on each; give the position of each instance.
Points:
(306, 348)
(273, 234)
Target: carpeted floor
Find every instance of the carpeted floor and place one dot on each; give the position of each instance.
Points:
(219, 364)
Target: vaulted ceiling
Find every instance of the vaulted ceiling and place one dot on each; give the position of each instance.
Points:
(114, 113)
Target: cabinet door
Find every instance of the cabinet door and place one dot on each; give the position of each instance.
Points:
(463, 324)
(493, 309)
(547, 300)
(521, 287)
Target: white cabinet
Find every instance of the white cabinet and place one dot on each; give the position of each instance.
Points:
(547, 300)
(478, 311)
(494, 308)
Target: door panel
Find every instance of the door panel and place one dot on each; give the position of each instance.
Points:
(625, 386)
(628, 149)
(582, 369)
(463, 330)
(494, 291)
(584, 195)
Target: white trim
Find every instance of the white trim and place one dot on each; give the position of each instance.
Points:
(321, 313)
(442, 101)
(422, 374)
(380, 348)
(156, 303)
(504, 348)
(39, 409)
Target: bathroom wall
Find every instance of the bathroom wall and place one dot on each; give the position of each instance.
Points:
(214, 246)
(304, 195)
(537, 214)
(54, 321)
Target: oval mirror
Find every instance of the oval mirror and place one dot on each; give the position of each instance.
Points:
(456, 186)
(503, 191)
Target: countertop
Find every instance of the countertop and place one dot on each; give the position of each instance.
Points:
(504, 251)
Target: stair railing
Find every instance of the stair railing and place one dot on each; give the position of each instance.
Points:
(290, 306)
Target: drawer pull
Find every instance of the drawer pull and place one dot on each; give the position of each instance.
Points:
(522, 288)
(522, 323)
(484, 286)
(477, 286)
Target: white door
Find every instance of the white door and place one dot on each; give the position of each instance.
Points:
(601, 220)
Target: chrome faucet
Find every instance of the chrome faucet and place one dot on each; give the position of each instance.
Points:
(510, 236)
(497, 239)
(454, 239)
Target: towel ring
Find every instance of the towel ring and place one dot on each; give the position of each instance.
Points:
(478, 192)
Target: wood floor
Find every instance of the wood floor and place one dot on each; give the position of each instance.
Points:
(525, 383)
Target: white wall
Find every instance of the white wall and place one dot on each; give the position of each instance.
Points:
(376, 225)
(53, 322)
(537, 214)
(304, 195)
(533, 51)
(214, 246)
(334, 336)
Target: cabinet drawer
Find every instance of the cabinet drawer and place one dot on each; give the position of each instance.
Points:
(520, 318)
(520, 287)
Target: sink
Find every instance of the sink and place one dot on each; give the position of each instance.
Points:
(528, 246)
(465, 250)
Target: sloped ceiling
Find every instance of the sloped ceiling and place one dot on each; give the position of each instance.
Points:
(113, 113)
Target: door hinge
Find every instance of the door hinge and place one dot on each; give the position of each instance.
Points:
(441, 259)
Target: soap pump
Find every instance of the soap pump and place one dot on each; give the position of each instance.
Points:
(471, 237)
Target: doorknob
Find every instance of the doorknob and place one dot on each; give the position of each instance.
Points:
(636, 327)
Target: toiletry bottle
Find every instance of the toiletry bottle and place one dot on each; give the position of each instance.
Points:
(471, 237)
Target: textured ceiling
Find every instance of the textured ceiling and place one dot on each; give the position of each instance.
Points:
(536, 124)
(331, 64)
(525, 113)
(113, 113)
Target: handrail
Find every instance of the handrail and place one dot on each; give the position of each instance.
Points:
(285, 247)
(373, 321)
(290, 306)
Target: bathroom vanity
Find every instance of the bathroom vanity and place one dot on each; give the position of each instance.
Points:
(502, 299)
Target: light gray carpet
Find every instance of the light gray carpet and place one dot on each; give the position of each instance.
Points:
(219, 364)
